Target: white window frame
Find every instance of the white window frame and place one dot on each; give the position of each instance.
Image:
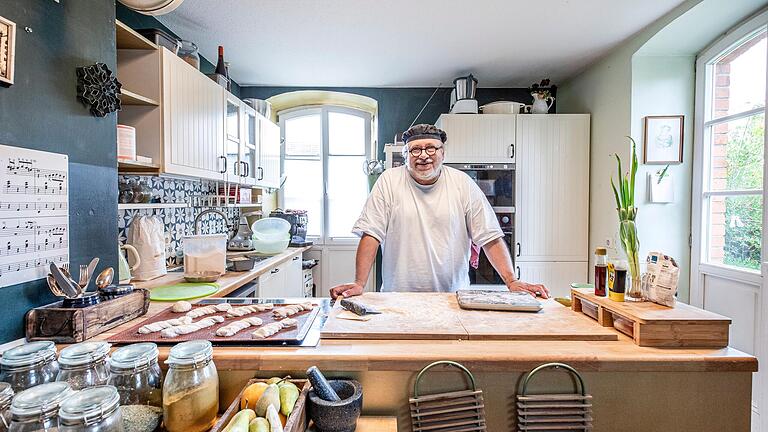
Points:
(701, 175)
(323, 111)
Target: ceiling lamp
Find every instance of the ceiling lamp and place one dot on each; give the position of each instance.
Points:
(152, 7)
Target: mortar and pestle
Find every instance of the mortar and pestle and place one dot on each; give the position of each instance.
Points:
(335, 405)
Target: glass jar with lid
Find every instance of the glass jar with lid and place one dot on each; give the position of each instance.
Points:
(84, 365)
(191, 388)
(134, 371)
(29, 365)
(6, 395)
(36, 409)
(95, 409)
(189, 53)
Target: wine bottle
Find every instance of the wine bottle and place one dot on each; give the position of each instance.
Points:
(220, 68)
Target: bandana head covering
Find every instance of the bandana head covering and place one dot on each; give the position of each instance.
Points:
(423, 131)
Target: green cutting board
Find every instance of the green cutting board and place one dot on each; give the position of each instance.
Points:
(182, 291)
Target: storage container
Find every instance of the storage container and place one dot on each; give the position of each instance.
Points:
(37, 409)
(84, 365)
(161, 38)
(6, 396)
(502, 107)
(205, 253)
(189, 53)
(95, 409)
(28, 365)
(135, 373)
(191, 389)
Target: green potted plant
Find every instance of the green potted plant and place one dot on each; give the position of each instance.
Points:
(625, 206)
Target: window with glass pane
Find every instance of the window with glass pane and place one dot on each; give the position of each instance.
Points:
(735, 125)
(334, 198)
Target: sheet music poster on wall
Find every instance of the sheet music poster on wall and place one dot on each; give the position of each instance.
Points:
(34, 213)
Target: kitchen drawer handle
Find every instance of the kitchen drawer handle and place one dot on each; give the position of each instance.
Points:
(295, 258)
(247, 169)
(261, 173)
(511, 151)
(519, 249)
(518, 272)
(242, 169)
(225, 164)
(275, 271)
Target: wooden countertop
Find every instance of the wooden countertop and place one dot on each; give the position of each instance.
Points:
(494, 356)
(230, 281)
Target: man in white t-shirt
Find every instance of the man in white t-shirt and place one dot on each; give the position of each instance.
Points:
(425, 217)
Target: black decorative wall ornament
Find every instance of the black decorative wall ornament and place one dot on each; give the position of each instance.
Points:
(98, 87)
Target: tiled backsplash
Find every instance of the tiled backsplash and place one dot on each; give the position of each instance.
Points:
(178, 221)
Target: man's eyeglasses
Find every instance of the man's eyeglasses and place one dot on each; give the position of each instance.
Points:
(430, 151)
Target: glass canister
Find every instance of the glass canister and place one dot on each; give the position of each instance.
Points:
(189, 53)
(6, 395)
(84, 365)
(95, 409)
(204, 253)
(37, 409)
(28, 365)
(191, 389)
(134, 371)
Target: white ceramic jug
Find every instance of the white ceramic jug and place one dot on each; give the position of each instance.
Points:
(541, 105)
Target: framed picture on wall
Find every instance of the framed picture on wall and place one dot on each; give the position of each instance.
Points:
(7, 47)
(663, 140)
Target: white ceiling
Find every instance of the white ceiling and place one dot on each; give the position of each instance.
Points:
(409, 43)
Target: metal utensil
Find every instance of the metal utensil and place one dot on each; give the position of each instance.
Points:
(358, 308)
(54, 287)
(83, 281)
(105, 278)
(91, 271)
(63, 282)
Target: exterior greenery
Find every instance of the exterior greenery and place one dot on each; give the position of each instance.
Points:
(744, 214)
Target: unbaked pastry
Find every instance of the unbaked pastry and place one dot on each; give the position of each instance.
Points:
(272, 328)
(182, 306)
(174, 331)
(249, 309)
(233, 328)
(208, 310)
(161, 325)
(291, 309)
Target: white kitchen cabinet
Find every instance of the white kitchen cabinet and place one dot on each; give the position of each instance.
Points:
(193, 121)
(479, 138)
(556, 276)
(269, 174)
(283, 281)
(250, 148)
(552, 188)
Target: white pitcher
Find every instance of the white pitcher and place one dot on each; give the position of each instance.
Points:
(541, 104)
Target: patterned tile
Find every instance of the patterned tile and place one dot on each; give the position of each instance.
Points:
(178, 221)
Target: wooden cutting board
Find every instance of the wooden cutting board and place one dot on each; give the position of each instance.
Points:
(404, 316)
(438, 316)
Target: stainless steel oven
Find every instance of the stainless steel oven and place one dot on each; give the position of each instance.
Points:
(497, 181)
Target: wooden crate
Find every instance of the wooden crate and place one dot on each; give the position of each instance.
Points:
(651, 324)
(297, 421)
(71, 325)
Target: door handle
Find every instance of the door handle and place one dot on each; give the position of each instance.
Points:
(518, 272)
(295, 258)
(247, 169)
(511, 151)
(225, 164)
(261, 173)
(519, 249)
(275, 271)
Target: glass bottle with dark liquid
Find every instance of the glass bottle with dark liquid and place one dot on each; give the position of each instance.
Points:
(601, 271)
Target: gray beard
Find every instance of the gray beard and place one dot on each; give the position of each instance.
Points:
(418, 176)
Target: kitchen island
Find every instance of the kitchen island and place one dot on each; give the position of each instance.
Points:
(634, 388)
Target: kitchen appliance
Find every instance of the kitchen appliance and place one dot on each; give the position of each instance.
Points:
(463, 95)
(298, 220)
(243, 238)
(497, 181)
(124, 269)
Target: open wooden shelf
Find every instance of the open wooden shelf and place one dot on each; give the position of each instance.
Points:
(133, 167)
(150, 206)
(127, 38)
(128, 97)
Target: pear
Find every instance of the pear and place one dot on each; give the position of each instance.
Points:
(259, 424)
(271, 396)
(274, 380)
(289, 394)
(239, 422)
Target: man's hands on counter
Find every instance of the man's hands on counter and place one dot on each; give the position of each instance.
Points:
(532, 289)
(346, 290)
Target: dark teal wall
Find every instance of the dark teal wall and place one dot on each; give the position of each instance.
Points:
(399, 106)
(40, 111)
(136, 20)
